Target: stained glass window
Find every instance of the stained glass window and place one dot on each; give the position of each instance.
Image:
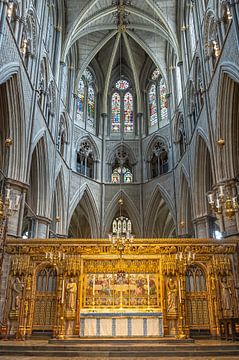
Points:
(115, 103)
(156, 74)
(88, 76)
(128, 112)
(116, 176)
(81, 100)
(122, 85)
(122, 174)
(128, 177)
(153, 108)
(192, 31)
(91, 105)
(163, 100)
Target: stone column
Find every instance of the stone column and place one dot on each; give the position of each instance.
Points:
(16, 191)
(42, 227)
(201, 227)
(234, 4)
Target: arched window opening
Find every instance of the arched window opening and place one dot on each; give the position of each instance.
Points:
(91, 105)
(80, 100)
(192, 31)
(153, 108)
(85, 160)
(122, 175)
(121, 224)
(121, 172)
(115, 117)
(163, 100)
(157, 99)
(86, 99)
(159, 160)
(122, 108)
(128, 112)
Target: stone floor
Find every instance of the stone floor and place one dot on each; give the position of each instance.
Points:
(45, 343)
(117, 358)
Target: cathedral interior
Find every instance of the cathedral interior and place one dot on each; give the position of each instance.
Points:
(119, 169)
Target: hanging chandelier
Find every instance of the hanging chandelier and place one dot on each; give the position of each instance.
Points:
(223, 201)
(121, 236)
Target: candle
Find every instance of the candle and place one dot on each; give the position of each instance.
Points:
(8, 193)
(93, 285)
(63, 291)
(17, 201)
(10, 204)
(179, 291)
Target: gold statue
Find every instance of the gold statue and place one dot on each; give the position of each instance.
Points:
(172, 295)
(71, 290)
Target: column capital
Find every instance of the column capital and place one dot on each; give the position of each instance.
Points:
(16, 184)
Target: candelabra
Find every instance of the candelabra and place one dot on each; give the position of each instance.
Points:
(55, 257)
(222, 201)
(121, 236)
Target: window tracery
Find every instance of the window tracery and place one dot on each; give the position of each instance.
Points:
(122, 108)
(157, 99)
(121, 169)
(158, 159)
(86, 99)
(86, 159)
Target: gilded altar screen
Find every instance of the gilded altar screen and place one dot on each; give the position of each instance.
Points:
(121, 290)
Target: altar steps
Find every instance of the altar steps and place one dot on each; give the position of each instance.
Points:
(128, 350)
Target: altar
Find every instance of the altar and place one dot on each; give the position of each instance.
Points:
(120, 299)
(94, 292)
(121, 324)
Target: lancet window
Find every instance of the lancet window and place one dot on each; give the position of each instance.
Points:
(122, 108)
(157, 99)
(121, 169)
(86, 99)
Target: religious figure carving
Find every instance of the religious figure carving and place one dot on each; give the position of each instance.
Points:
(17, 288)
(71, 290)
(226, 294)
(172, 295)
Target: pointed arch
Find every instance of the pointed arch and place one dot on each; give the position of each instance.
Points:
(83, 202)
(185, 208)
(203, 177)
(59, 222)
(12, 123)
(160, 214)
(128, 207)
(227, 122)
(39, 190)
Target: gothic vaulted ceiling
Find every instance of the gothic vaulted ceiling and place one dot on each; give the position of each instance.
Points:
(136, 29)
